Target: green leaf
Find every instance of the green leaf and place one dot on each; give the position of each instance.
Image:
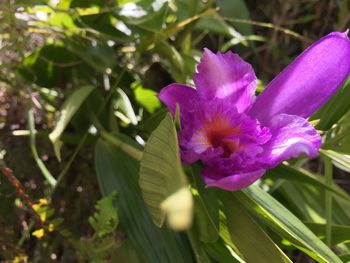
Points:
(236, 9)
(220, 252)
(291, 173)
(153, 21)
(106, 219)
(125, 105)
(99, 57)
(338, 139)
(49, 66)
(117, 171)
(69, 108)
(334, 109)
(32, 140)
(345, 258)
(147, 98)
(171, 58)
(162, 181)
(206, 209)
(285, 223)
(338, 158)
(340, 233)
(250, 239)
(217, 25)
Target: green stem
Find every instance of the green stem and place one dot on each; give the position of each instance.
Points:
(31, 127)
(128, 149)
(328, 199)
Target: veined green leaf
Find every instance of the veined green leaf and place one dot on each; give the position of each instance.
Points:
(162, 181)
(255, 245)
(285, 223)
(117, 171)
(69, 108)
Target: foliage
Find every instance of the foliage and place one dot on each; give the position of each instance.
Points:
(80, 122)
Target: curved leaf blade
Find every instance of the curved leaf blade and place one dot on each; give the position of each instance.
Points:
(250, 239)
(285, 223)
(117, 171)
(162, 180)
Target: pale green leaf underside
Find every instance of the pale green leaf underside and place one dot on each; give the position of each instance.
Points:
(161, 172)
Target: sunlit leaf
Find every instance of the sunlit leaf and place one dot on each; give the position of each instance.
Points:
(285, 223)
(117, 171)
(246, 235)
(340, 233)
(162, 180)
(69, 108)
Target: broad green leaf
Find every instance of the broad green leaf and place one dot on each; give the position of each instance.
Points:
(197, 247)
(340, 233)
(153, 121)
(118, 172)
(206, 219)
(69, 108)
(220, 252)
(285, 223)
(126, 253)
(162, 181)
(250, 239)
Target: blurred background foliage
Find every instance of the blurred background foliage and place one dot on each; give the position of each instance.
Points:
(77, 76)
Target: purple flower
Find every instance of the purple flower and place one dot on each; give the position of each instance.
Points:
(238, 136)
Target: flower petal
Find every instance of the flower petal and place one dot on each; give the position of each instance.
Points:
(231, 182)
(226, 76)
(178, 94)
(308, 82)
(291, 137)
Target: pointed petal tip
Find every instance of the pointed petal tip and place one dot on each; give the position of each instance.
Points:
(302, 87)
(344, 34)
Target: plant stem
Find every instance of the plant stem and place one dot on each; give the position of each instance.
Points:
(128, 149)
(328, 198)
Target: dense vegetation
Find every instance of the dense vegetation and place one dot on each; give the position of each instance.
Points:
(78, 86)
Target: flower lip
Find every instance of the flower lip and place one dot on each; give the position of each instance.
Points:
(218, 132)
